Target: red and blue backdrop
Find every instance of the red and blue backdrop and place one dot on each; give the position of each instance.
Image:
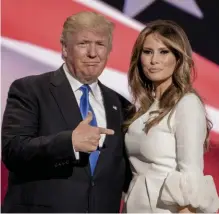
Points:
(30, 45)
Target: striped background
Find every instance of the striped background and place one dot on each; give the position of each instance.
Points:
(30, 45)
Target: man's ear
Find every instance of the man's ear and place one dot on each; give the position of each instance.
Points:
(64, 51)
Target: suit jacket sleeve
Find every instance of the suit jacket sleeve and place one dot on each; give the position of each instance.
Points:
(22, 147)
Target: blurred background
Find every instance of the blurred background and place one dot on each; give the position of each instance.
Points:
(30, 45)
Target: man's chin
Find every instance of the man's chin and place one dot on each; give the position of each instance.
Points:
(93, 77)
(89, 80)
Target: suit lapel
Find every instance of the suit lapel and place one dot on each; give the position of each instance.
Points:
(111, 110)
(65, 99)
(67, 103)
(112, 115)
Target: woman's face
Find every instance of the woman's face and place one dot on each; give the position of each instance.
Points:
(158, 62)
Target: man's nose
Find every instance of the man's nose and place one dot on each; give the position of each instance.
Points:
(92, 52)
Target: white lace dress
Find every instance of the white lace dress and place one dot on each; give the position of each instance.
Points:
(167, 163)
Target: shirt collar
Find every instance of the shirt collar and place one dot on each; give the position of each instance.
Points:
(75, 84)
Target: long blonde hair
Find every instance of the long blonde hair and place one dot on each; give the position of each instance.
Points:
(141, 87)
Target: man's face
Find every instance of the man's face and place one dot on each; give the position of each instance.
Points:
(86, 54)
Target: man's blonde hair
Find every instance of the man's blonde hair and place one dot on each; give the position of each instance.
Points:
(86, 20)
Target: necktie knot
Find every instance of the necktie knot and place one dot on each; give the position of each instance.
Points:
(85, 89)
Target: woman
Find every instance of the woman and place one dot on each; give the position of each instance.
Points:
(168, 131)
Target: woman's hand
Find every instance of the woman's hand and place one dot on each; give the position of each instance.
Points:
(187, 209)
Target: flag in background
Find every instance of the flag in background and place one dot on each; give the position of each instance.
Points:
(30, 45)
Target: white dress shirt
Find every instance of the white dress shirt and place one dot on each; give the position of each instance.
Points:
(95, 99)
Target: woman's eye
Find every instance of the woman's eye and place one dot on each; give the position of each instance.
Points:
(147, 51)
(164, 52)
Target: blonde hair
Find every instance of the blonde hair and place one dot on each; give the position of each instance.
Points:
(86, 20)
(141, 87)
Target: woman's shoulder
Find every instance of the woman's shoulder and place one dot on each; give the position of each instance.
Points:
(190, 97)
(190, 101)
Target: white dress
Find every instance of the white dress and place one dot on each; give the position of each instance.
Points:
(167, 162)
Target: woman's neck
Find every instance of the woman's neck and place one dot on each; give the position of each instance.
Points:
(160, 88)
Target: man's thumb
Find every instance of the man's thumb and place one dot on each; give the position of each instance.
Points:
(88, 119)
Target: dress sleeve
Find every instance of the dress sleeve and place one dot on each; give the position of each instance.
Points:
(188, 185)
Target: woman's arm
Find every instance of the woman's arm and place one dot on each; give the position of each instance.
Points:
(190, 133)
(187, 186)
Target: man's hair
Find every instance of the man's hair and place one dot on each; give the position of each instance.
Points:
(86, 20)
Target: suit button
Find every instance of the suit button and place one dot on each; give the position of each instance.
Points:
(86, 211)
(92, 184)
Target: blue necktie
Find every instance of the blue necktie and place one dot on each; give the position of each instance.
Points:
(85, 107)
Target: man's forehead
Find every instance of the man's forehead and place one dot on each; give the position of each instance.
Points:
(91, 34)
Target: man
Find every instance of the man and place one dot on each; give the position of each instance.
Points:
(61, 134)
